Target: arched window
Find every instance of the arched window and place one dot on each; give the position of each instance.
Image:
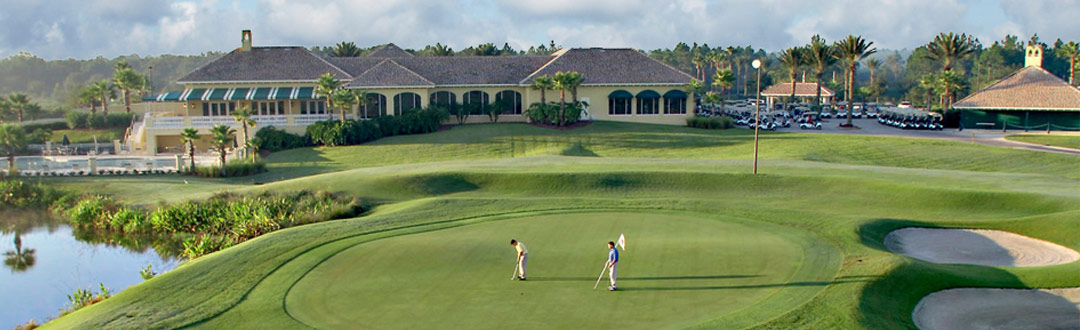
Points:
(405, 101)
(619, 102)
(443, 98)
(675, 102)
(376, 106)
(475, 101)
(648, 102)
(510, 101)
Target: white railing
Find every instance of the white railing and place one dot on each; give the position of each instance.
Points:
(304, 120)
(200, 122)
(277, 120)
(166, 122)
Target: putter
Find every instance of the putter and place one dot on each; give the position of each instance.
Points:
(515, 272)
(600, 277)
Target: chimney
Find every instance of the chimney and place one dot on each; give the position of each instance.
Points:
(1034, 56)
(245, 40)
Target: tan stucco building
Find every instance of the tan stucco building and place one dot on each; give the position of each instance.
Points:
(279, 84)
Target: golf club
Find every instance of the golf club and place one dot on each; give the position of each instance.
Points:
(515, 272)
(600, 277)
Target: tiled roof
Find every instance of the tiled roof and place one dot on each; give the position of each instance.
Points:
(389, 73)
(475, 70)
(603, 66)
(389, 51)
(1029, 88)
(804, 89)
(265, 64)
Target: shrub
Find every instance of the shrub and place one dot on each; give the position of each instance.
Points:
(46, 126)
(21, 194)
(233, 169)
(83, 120)
(76, 119)
(722, 122)
(272, 139)
(148, 272)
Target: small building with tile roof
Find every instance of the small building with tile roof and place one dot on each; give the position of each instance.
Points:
(1030, 98)
(278, 83)
(805, 91)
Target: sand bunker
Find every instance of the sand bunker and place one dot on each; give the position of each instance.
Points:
(977, 247)
(972, 308)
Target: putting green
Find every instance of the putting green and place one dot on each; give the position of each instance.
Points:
(678, 271)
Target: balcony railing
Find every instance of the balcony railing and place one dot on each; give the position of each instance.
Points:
(173, 122)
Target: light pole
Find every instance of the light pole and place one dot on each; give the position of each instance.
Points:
(757, 110)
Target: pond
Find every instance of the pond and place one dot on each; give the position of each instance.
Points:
(45, 260)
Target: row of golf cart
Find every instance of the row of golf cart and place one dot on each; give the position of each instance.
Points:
(912, 119)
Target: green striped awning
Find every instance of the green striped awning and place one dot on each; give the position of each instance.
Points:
(262, 93)
(305, 93)
(239, 94)
(620, 94)
(193, 94)
(170, 96)
(215, 94)
(282, 93)
(648, 94)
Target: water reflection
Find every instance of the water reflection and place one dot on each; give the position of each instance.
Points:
(47, 260)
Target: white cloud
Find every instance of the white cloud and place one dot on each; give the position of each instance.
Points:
(1051, 19)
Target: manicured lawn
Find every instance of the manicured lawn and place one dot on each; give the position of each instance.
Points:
(434, 254)
(1068, 141)
(105, 136)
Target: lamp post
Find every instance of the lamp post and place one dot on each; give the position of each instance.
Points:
(757, 110)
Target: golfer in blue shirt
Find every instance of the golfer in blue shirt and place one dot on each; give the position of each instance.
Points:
(612, 262)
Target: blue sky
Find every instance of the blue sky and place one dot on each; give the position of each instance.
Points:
(90, 28)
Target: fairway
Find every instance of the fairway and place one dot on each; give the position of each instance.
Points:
(679, 271)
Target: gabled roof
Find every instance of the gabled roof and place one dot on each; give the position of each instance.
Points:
(264, 64)
(389, 73)
(389, 51)
(475, 70)
(1029, 88)
(803, 89)
(605, 66)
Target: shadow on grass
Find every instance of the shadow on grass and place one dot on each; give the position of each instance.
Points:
(838, 280)
(646, 278)
(872, 234)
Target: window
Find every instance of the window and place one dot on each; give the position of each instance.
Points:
(510, 101)
(648, 102)
(376, 106)
(619, 102)
(675, 102)
(475, 101)
(443, 98)
(218, 108)
(405, 101)
(312, 107)
(270, 108)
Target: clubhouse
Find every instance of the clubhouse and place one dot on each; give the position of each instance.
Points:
(279, 84)
(1030, 99)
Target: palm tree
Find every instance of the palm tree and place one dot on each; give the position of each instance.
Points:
(543, 84)
(872, 64)
(574, 80)
(106, 91)
(723, 79)
(791, 59)
(345, 49)
(18, 102)
(714, 99)
(189, 136)
(950, 83)
(821, 56)
(325, 87)
(949, 48)
(89, 95)
(360, 99)
(221, 138)
(928, 82)
(441, 50)
(852, 50)
(699, 65)
(12, 139)
(561, 81)
(344, 100)
(127, 80)
(20, 259)
(33, 110)
(695, 88)
(1070, 50)
(5, 108)
(243, 117)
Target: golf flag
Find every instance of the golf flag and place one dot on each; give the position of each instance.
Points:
(621, 243)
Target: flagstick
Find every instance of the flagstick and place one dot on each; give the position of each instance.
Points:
(600, 277)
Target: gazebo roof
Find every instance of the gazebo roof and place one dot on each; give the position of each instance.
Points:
(1030, 88)
(802, 89)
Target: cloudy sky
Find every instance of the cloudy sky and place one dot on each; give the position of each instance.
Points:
(90, 28)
